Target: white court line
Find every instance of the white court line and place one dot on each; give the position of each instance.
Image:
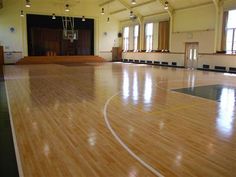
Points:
(19, 165)
(154, 171)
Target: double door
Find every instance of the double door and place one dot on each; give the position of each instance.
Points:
(191, 55)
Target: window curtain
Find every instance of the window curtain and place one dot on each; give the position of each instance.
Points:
(224, 31)
(144, 41)
(163, 35)
(139, 36)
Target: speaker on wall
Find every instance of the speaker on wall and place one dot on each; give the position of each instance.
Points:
(119, 35)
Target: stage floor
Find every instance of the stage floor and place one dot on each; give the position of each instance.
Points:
(120, 120)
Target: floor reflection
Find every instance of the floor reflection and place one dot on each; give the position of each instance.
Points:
(135, 88)
(148, 89)
(226, 114)
(133, 84)
(125, 84)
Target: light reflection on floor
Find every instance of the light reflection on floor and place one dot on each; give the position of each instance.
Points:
(226, 112)
(226, 97)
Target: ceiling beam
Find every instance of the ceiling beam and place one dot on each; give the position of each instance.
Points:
(105, 3)
(218, 3)
(133, 7)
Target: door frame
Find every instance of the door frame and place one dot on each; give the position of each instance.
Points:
(185, 54)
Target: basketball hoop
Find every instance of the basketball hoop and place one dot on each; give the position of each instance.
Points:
(69, 32)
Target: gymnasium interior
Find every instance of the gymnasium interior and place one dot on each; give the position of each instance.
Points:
(118, 88)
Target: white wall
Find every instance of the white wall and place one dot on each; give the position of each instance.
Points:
(17, 41)
(195, 24)
(205, 39)
(10, 41)
(194, 19)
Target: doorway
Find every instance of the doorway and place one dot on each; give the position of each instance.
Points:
(191, 55)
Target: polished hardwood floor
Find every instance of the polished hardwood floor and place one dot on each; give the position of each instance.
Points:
(59, 115)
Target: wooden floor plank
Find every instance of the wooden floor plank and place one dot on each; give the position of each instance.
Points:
(58, 118)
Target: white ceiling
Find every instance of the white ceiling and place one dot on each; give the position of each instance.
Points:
(142, 8)
(145, 7)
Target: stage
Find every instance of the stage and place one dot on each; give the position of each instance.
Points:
(59, 59)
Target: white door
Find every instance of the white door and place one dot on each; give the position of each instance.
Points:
(191, 55)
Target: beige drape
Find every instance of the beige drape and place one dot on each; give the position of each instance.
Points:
(223, 40)
(163, 35)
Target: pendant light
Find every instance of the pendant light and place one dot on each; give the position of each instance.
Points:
(67, 8)
(83, 19)
(133, 2)
(27, 3)
(53, 16)
(102, 11)
(22, 13)
(166, 6)
(131, 14)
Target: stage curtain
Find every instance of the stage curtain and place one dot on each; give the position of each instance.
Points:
(163, 35)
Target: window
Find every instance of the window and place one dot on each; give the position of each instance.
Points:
(149, 36)
(126, 39)
(136, 35)
(231, 32)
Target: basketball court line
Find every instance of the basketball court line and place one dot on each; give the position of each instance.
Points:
(146, 165)
(18, 160)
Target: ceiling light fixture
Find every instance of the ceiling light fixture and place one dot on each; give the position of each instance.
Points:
(102, 11)
(133, 2)
(27, 3)
(22, 13)
(166, 6)
(108, 20)
(53, 16)
(83, 19)
(67, 8)
(131, 14)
